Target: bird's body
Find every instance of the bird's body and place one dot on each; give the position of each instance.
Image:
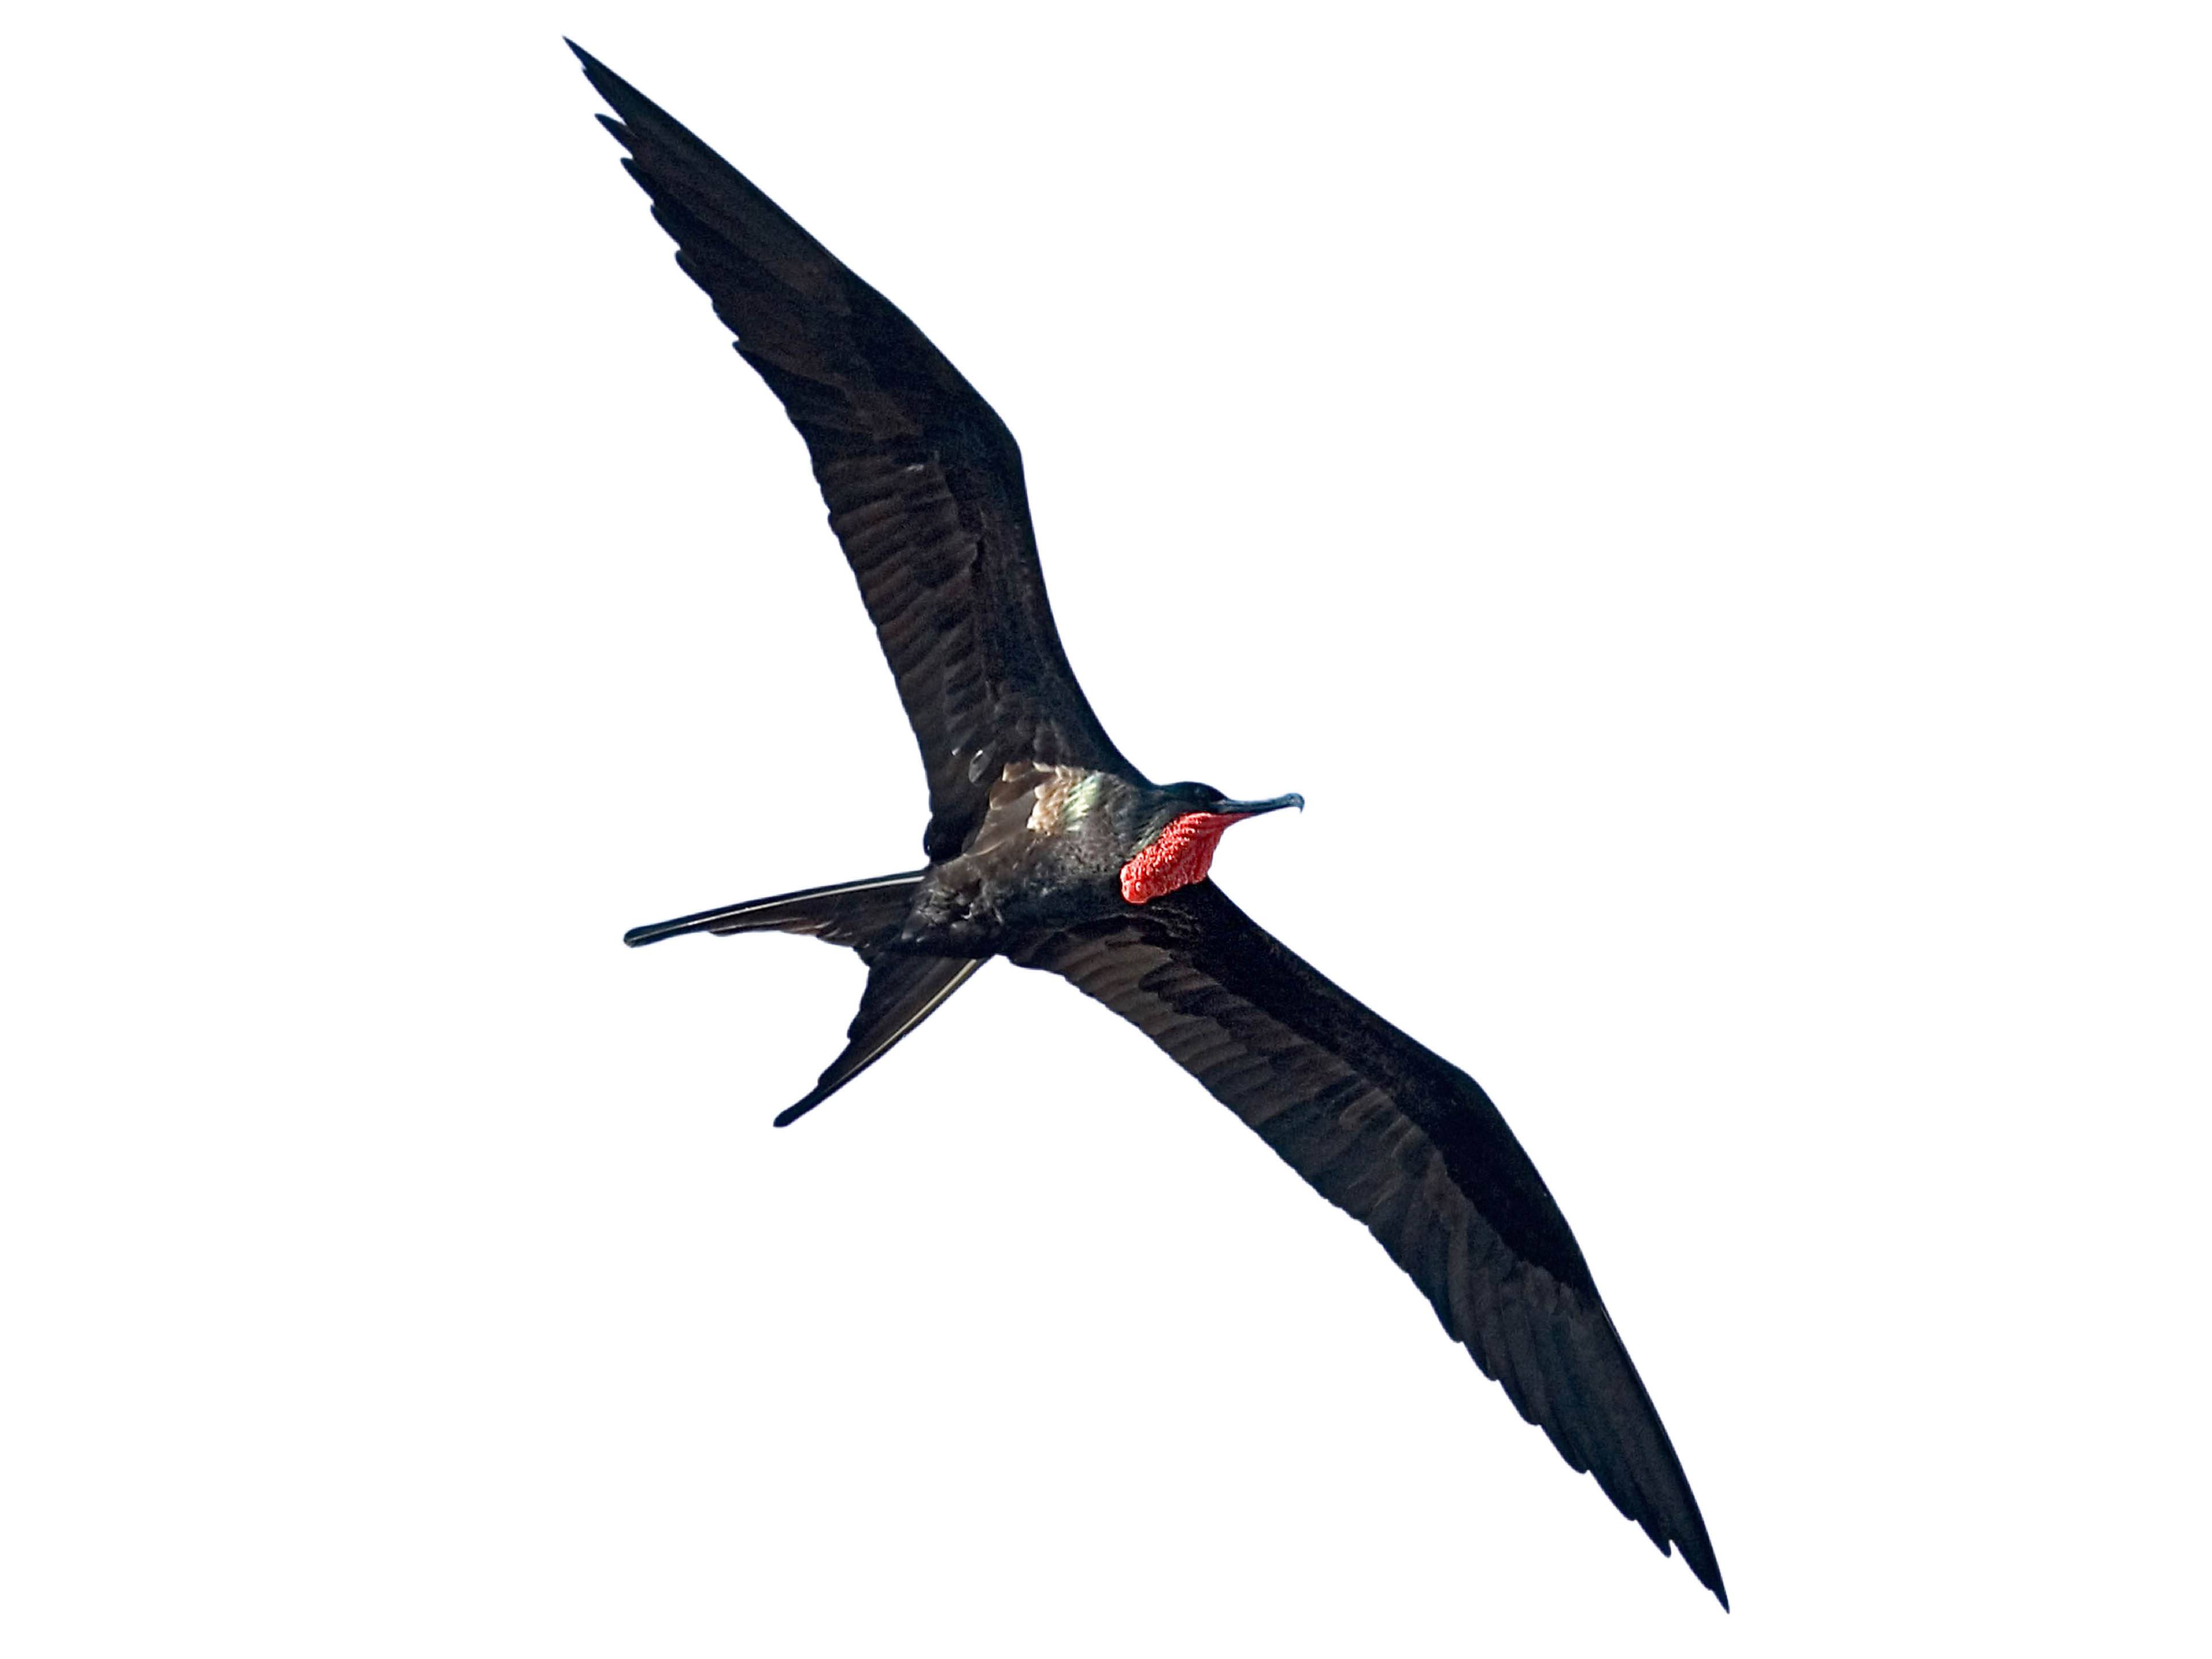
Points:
(1064, 845)
(1047, 846)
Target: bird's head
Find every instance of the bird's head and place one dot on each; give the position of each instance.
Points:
(1176, 829)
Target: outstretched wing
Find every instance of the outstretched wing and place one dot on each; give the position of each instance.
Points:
(923, 481)
(1412, 1146)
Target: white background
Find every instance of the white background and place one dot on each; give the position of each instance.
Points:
(1709, 503)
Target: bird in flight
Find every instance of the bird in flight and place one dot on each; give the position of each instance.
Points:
(1045, 847)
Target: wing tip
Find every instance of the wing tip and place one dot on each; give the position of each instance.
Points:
(592, 67)
(594, 71)
(632, 105)
(1708, 1571)
(1696, 1552)
(791, 1115)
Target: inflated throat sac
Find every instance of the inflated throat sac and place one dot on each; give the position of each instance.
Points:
(1179, 855)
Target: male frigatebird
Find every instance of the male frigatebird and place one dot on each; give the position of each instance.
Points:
(1045, 847)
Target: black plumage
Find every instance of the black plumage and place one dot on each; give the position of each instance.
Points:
(1045, 846)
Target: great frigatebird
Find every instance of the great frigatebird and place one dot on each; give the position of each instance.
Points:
(1047, 848)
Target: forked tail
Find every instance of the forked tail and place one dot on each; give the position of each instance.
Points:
(902, 992)
(865, 915)
(904, 988)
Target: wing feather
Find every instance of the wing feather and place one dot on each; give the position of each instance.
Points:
(923, 481)
(1412, 1146)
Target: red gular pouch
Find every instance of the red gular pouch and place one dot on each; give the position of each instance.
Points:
(1179, 855)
